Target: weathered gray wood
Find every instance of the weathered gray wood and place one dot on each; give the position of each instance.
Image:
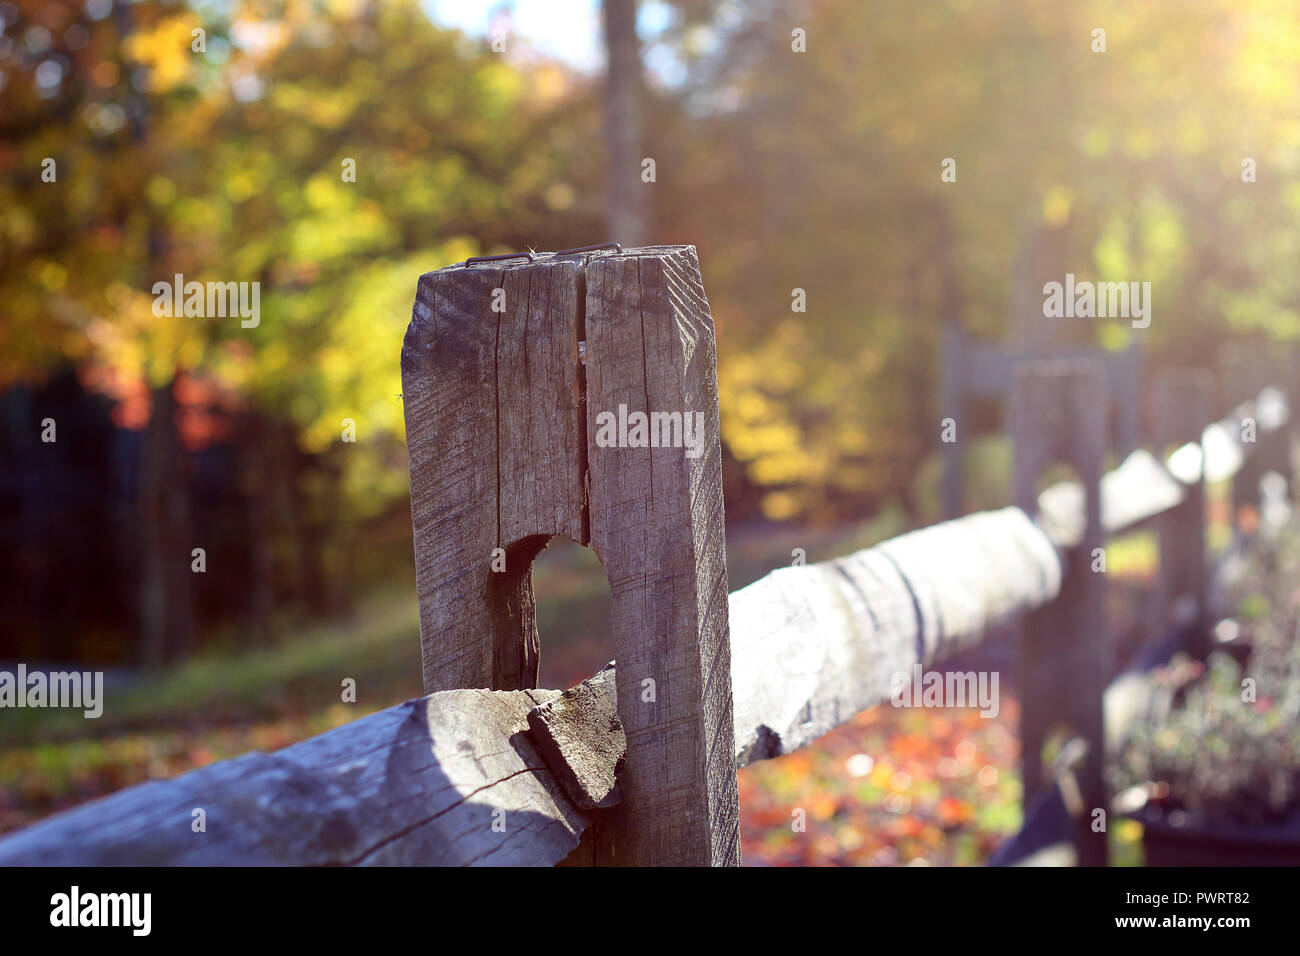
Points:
(657, 526)
(1140, 489)
(1058, 415)
(814, 645)
(502, 422)
(541, 419)
(581, 738)
(1182, 406)
(449, 780)
(495, 432)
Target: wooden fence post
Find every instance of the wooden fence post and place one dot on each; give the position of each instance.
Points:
(514, 437)
(1243, 366)
(973, 369)
(1058, 414)
(1182, 407)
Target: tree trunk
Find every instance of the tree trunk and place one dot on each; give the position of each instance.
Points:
(261, 531)
(166, 611)
(626, 216)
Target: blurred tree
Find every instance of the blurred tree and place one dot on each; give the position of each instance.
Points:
(624, 86)
(330, 153)
(821, 171)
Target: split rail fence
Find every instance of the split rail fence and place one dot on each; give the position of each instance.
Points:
(508, 364)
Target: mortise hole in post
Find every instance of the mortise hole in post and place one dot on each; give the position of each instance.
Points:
(573, 611)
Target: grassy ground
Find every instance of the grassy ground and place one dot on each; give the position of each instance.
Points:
(892, 786)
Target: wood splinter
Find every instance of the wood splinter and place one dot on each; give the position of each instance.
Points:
(581, 739)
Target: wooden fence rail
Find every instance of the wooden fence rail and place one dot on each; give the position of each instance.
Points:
(517, 776)
(420, 782)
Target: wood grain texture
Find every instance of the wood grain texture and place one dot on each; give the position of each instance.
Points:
(657, 526)
(542, 429)
(448, 780)
(500, 420)
(449, 395)
(814, 645)
(496, 436)
(581, 738)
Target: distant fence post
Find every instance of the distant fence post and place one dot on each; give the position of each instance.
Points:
(515, 434)
(1242, 366)
(971, 368)
(1182, 407)
(1058, 414)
